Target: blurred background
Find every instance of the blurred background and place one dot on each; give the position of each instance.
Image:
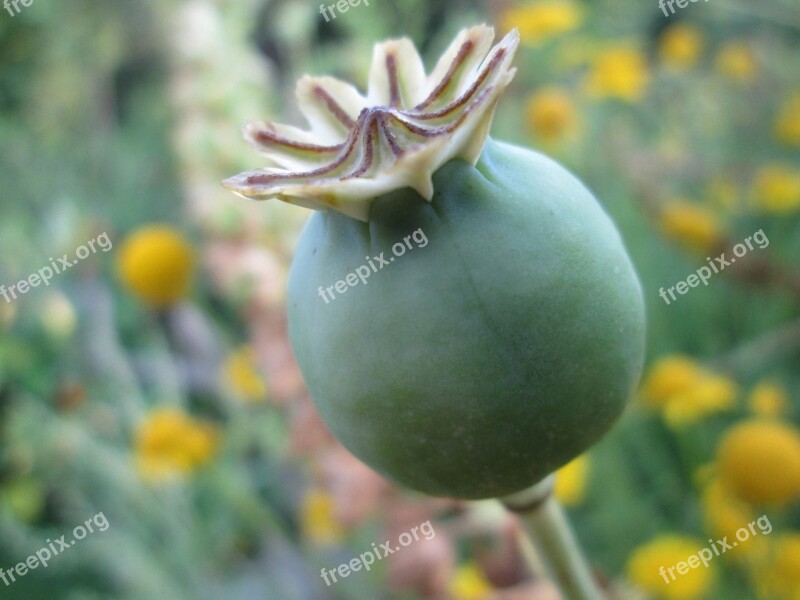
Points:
(152, 380)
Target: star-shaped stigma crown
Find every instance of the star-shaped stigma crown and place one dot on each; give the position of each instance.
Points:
(406, 127)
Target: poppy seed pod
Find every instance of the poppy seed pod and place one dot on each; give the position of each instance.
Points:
(463, 311)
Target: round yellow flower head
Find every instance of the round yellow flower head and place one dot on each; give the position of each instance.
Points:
(685, 391)
(242, 375)
(768, 399)
(760, 461)
(550, 114)
(171, 443)
(781, 576)
(776, 189)
(722, 193)
(681, 46)
(648, 565)
(318, 520)
(736, 62)
(571, 481)
(469, 583)
(156, 264)
(787, 123)
(669, 376)
(692, 225)
(24, 497)
(542, 21)
(621, 72)
(724, 512)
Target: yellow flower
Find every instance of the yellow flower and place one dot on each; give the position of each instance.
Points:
(25, 497)
(787, 124)
(7, 314)
(780, 578)
(550, 114)
(669, 377)
(776, 189)
(317, 518)
(685, 391)
(648, 567)
(768, 400)
(736, 62)
(759, 460)
(156, 264)
(469, 583)
(571, 480)
(712, 394)
(724, 512)
(681, 46)
(723, 192)
(573, 53)
(171, 443)
(242, 375)
(542, 21)
(692, 225)
(619, 71)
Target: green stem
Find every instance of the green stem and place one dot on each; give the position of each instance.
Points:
(546, 524)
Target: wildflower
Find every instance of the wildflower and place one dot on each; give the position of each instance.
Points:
(768, 399)
(58, 316)
(647, 563)
(787, 123)
(171, 443)
(550, 114)
(156, 264)
(736, 62)
(24, 497)
(681, 46)
(776, 189)
(469, 583)
(692, 225)
(542, 21)
(619, 71)
(8, 312)
(317, 518)
(724, 514)
(780, 577)
(723, 192)
(571, 480)
(759, 460)
(685, 391)
(242, 375)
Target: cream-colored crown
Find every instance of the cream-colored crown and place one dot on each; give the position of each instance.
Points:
(406, 127)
